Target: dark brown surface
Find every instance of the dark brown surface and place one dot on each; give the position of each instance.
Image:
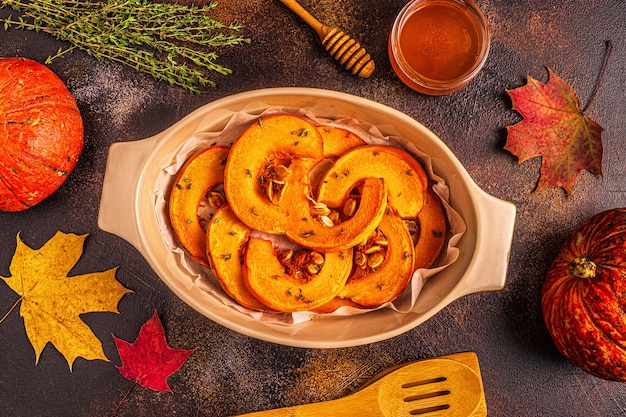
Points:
(230, 373)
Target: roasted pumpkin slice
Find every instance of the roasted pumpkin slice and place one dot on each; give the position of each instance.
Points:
(255, 171)
(403, 174)
(226, 239)
(338, 140)
(319, 232)
(433, 227)
(201, 173)
(384, 264)
(269, 280)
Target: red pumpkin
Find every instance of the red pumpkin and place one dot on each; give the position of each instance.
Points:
(584, 296)
(41, 133)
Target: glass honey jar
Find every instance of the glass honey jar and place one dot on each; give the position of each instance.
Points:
(437, 46)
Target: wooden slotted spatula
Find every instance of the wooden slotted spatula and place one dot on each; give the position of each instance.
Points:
(447, 386)
(347, 51)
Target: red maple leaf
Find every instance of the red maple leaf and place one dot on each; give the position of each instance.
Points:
(149, 361)
(555, 128)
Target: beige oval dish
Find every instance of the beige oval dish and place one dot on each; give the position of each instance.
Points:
(127, 210)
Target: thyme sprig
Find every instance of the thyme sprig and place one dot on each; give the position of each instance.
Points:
(171, 42)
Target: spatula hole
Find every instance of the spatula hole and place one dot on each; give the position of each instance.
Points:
(424, 382)
(427, 410)
(426, 395)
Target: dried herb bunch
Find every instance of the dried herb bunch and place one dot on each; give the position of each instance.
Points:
(171, 42)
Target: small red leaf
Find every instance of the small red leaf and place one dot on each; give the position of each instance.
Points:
(149, 361)
(555, 128)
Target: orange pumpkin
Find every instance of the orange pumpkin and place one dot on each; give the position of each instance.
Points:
(41, 133)
(201, 173)
(269, 281)
(251, 172)
(384, 264)
(309, 231)
(227, 238)
(404, 177)
(433, 227)
(584, 296)
(338, 140)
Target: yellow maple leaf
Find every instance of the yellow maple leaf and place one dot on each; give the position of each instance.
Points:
(51, 301)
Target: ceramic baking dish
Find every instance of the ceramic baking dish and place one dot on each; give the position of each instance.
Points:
(128, 201)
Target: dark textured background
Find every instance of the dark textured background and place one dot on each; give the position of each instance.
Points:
(229, 373)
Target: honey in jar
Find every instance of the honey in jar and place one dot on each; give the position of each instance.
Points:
(436, 46)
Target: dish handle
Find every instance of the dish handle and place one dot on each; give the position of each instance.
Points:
(496, 223)
(124, 167)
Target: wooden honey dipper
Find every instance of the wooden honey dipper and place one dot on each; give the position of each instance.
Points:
(347, 51)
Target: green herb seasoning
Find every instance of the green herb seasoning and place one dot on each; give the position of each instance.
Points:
(172, 42)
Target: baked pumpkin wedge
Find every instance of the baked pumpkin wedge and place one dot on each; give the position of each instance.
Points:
(201, 173)
(257, 166)
(318, 231)
(403, 174)
(267, 278)
(226, 239)
(384, 264)
(433, 227)
(338, 140)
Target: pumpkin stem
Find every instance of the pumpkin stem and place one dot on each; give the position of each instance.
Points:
(582, 268)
